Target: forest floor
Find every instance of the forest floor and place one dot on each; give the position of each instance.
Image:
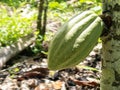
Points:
(31, 73)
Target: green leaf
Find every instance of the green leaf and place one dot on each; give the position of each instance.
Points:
(87, 67)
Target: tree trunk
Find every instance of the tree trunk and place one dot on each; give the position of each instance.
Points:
(42, 17)
(110, 78)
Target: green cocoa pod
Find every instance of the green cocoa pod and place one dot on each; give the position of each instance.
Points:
(74, 41)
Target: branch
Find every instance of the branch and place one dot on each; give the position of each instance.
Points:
(8, 52)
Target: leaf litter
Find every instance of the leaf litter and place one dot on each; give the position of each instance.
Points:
(31, 73)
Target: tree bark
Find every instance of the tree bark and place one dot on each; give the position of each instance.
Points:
(110, 78)
(40, 12)
(42, 17)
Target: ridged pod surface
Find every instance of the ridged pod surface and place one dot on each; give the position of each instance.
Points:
(74, 41)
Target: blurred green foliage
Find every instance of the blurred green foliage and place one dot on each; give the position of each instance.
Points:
(19, 3)
(15, 23)
(17, 17)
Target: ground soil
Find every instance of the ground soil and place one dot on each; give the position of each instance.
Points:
(26, 72)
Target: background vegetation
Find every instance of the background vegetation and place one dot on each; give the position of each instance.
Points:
(18, 17)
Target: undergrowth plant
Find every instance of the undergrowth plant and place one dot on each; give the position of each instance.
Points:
(14, 24)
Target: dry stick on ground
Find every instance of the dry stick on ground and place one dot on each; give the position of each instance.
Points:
(8, 52)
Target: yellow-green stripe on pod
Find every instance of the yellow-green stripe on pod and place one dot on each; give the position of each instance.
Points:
(74, 40)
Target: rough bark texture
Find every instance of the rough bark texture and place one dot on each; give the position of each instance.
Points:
(110, 79)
